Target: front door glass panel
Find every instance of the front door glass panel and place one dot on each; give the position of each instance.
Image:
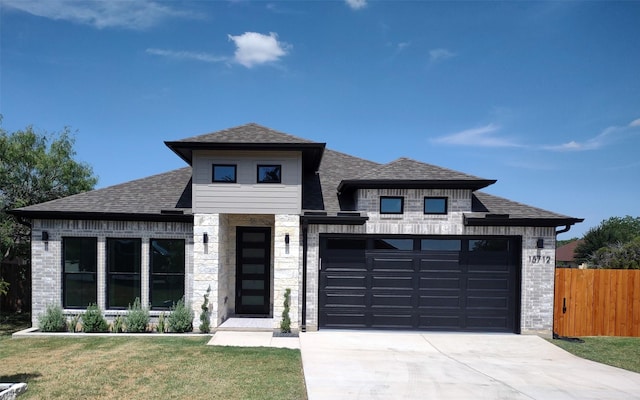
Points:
(253, 272)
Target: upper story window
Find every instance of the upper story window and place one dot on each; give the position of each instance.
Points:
(391, 205)
(224, 173)
(269, 173)
(435, 205)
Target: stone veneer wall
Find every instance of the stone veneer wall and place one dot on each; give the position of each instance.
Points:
(537, 284)
(215, 263)
(47, 256)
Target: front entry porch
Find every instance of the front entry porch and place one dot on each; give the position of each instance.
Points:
(248, 261)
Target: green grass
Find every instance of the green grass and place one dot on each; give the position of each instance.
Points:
(10, 323)
(621, 352)
(147, 368)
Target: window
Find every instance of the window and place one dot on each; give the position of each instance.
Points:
(123, 272)
(393, 244)
(269, 173)
(441, 244)
(166, 284)
(391, 205)
(489, 245)
(435, 205)
(224, 173)
(79, 281)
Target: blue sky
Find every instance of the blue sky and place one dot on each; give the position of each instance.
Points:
(542, 96)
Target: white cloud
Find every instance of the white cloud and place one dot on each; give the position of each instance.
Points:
(436, 55)
(480, 137)
(595, 142)
(187, 55)
(356, 4)
(255, 48)
(140, 14)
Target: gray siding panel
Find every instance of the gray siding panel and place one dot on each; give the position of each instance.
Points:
(246, 196)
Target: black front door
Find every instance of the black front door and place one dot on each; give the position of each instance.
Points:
(253, 272)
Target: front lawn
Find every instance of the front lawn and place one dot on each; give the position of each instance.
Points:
(148, 368)
(622, 352)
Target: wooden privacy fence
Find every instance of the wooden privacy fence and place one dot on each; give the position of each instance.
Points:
(597, 302)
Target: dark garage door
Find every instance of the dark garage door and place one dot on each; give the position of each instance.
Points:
(427, 283)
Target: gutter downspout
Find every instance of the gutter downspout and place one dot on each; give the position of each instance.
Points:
(305, 229)
(554, 335)
(563, 230)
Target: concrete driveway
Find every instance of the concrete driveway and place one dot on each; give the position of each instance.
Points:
(398, 365)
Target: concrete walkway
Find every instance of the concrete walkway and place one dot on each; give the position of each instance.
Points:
(395, 365)
(253, 339)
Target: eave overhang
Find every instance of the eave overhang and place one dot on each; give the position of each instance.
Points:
(508, 221)
(98, 216)
(311, 152)
(333, 220)
(352, 184)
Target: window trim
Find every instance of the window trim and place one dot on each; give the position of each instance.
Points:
(65, 273)
(279, 166)
(446, 205)
(151, 273)
(401, 198)
(213, 173)
(108, 273)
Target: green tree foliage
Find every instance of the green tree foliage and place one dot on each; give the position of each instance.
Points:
(613, 231)
(34, 168)
(618, 256)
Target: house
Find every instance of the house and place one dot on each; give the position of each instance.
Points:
(362, 245)
(565, 255)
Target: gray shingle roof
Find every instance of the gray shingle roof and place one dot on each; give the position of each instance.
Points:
(248, 133)
(487, 207)
(408, 173)
(407, 169)
(249, 137)
(167, 196)
(147, 197)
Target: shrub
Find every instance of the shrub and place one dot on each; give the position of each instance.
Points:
(161, 327)
(285, 324)
(93, 321)
(52, 320)
(181, 317)
(137, 317)
(117, 326)
(73, 323)
(204, 314)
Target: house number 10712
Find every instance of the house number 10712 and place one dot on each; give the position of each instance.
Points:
(540, 259)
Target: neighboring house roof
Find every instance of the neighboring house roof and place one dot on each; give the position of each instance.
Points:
(167, 196)
(566, 253)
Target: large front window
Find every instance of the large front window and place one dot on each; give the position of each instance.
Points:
(79, 281)
(166, 284)
(123, 272)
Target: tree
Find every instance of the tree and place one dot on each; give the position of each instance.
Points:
(618, 256)
(615, 230)
(35, 168)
